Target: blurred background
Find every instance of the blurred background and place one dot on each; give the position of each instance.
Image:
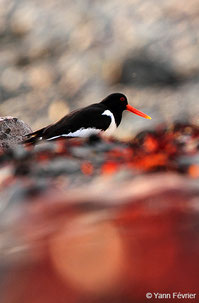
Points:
(56, 56)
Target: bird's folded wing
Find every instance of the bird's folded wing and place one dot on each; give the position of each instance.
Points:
(88, 118)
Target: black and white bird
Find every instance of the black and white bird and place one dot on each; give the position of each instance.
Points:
(104, 117)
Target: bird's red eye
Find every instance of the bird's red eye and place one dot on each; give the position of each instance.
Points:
(122, 99)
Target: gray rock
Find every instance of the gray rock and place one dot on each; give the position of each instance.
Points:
(12, 131)
(57, 167)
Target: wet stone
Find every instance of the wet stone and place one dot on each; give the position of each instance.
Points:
(104, 147)
(59, 166)
(21, 154)
(188, 160)
(81, 152)
(45, 147)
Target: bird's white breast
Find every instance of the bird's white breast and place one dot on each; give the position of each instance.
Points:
(112, 127)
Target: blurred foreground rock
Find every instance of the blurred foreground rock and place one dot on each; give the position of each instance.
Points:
(12, 131)
(95, 221)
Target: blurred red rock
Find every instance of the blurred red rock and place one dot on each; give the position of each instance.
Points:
(94, 221)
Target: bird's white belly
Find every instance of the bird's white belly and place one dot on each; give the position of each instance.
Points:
(82, 132)
(112, 127)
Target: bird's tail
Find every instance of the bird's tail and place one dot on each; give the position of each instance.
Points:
(33, 138)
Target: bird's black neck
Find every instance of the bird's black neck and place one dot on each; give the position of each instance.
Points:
(118, 117)
(115, 109)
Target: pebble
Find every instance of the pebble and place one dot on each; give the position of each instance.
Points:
(57, 167)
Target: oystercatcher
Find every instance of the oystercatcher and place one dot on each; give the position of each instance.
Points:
(102, 117)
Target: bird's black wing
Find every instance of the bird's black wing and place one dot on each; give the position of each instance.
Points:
(88, 117)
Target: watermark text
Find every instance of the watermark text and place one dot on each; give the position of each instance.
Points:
(173, 295)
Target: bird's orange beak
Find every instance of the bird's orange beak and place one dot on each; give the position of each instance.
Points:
(136, 111)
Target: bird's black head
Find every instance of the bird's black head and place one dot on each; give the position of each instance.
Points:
(115, 102)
